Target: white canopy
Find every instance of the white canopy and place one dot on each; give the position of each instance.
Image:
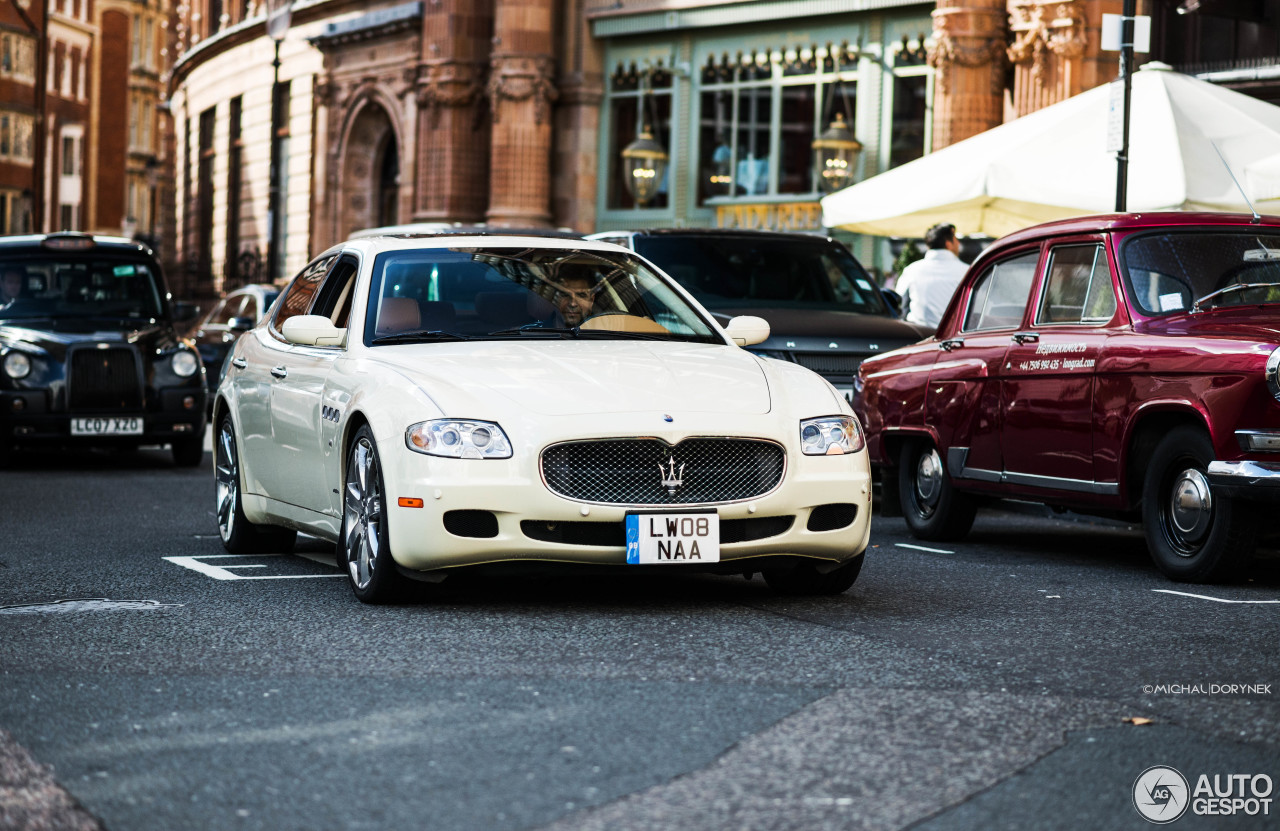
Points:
(1053, 164)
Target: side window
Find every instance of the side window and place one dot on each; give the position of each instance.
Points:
(999, 298)
(1078, 288)
(334, 300)
(302, 291)
(219, 315)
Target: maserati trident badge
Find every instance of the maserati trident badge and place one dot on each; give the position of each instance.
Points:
(672, 479)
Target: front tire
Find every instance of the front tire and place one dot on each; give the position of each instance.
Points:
(804, 578)
(933, 508)
(1194, 534)
(364, 546)
(239, 535)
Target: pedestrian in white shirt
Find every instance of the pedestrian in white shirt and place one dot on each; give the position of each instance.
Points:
(926, 285)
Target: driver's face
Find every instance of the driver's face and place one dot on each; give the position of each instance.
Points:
(574, 299)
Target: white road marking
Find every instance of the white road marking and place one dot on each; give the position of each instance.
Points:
(1214, 599)
(922, 548)
(223, 572)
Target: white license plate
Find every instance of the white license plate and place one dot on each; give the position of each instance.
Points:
(107, 426)
(673, 538)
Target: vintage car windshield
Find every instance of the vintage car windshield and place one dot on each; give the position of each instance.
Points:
(741, 272)
(499, 292)
(81, 287)
(1170, 271)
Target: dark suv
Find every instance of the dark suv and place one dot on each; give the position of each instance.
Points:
(88, 350)
(824, 311)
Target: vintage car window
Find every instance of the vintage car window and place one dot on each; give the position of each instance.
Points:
(1078, 288)
(1167, 272)
(740, 272)
(300, 293)
(482, 293)
(86, 286)
(999, 298)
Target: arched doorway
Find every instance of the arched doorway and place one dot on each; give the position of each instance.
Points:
(370, 192)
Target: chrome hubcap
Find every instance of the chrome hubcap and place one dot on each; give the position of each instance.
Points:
(226, 478)
(1190, 507)
(928, 482)
(362, 514)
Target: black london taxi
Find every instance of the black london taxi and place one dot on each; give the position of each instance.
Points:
(89, 355)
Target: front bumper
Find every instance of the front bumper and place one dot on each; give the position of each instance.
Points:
(32, 423)
(1253, 481)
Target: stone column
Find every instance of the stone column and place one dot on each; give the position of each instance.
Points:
(577, 122)
(521, 94)
(969, 56)
(453, 134)
(1048, 50)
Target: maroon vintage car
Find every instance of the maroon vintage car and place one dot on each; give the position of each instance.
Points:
(1123, 365)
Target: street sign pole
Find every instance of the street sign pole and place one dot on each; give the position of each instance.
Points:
(1126, 76)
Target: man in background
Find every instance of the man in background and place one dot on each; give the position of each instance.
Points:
(926, 285)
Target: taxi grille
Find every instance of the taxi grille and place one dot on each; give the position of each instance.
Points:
(104, 380)
(830, 363)
(632, 471)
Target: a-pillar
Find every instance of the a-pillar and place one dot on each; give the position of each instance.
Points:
(521, 94)
(453, 136)
(969, 56)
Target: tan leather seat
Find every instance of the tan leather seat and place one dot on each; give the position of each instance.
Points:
(398, 314)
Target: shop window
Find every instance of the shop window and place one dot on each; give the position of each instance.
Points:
(910, 109)
(639, 97)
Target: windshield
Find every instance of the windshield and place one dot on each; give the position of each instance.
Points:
(480, 293)
(1169, 271)
(741, 272)
(78, 287)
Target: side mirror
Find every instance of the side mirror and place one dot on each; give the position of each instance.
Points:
(313, 330)
(185, 312)
(894, 300)
(241, 324)
(746, 330)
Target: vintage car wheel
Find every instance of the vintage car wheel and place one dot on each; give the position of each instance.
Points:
(239, 535)
(1194, 534)
(933, 508)
(188, 452)
(364, 547)
(805, 579)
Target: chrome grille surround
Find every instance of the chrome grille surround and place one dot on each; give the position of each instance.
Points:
(630, 471)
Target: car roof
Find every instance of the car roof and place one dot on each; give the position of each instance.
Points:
(1132, 222)
(741, 233)
(436, 229)
(35, 242)
(374, 245)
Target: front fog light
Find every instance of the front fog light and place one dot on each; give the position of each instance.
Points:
(830, 436)
(185, 364)
(17, 365)
(457, 439)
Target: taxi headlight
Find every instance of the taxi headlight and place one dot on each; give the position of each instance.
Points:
(1273, 373)
(830, 436)
(17, 365)
(184, 363)
(458, 439)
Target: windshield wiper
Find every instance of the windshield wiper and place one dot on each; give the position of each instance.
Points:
(535, 329)
(1195, 307)
(420, 336)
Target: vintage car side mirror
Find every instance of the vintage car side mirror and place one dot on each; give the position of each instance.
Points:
(746, 330)
(185, 312)
(313, 330)
(241, 324)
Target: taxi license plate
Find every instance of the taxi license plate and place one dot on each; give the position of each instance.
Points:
(107, 426)
(689, 537)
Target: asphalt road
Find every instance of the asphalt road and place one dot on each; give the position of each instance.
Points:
(980, 685)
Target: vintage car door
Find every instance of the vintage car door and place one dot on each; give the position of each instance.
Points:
(962, 402)
(1049, 377)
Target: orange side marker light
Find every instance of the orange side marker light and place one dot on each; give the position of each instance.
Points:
(410, 502)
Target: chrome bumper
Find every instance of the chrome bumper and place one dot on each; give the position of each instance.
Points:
(1246, 480)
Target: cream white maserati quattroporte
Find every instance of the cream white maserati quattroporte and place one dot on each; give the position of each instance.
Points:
(503, 402)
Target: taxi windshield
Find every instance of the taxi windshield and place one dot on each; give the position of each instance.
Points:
(1198, 269)
(78, 287)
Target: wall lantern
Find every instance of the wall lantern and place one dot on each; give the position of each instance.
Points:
(644, 161)
(835, 155)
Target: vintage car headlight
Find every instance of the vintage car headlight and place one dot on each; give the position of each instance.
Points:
(458, 439)
(17, 365)
(1273, 373)
(184, 363)
(830, 436)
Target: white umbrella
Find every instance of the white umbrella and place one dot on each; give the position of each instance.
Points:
(1053, 164)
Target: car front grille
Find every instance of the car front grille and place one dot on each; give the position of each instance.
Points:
(830, 363)
(104, 379)
(645, 471)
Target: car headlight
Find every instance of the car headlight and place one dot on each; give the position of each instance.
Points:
(17, 365)
(830, 436)
(184, 363)
(1273, 373)
(458, 439)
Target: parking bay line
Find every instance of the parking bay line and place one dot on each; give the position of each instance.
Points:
(1214, 599)
(922, 548)
(223, 572)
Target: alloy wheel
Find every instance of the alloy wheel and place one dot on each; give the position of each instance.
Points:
(226, 476)
(362, 509)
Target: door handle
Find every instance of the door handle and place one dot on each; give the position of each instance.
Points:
(239, 363)
(952, 343)
(1027, 337)
(279, 371)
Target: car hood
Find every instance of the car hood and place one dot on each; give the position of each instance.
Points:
(585, 377)
(52, 336)
(830, 324)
